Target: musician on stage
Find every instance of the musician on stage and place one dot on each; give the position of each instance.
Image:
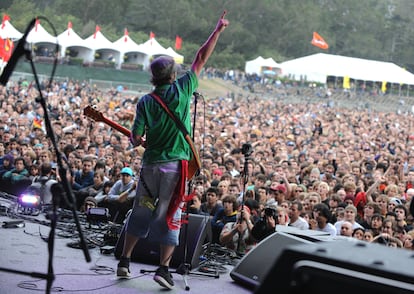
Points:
(161, 186)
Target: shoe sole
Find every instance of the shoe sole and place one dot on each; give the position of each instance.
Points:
(162, 282)
(123, 273)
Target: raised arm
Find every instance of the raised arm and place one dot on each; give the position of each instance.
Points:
(207, 48)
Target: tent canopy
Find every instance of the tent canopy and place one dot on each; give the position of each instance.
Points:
(96, 46)
(8, 31)
(39, 35)
(103, 47)
(318, 67)
(262, 66)
(130, 51)
(177, 57)
(69, 39)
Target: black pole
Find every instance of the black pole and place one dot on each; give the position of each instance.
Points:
(60, 190)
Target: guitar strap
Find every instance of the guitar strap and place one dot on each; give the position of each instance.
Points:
(180, 126)
(178, 122)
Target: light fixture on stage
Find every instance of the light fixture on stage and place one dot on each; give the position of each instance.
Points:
(29, 203)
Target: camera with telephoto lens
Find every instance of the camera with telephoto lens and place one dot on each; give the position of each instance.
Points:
(247, 149)
(270, 212)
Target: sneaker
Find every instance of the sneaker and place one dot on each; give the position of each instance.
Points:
(123, 268)
(163, 277)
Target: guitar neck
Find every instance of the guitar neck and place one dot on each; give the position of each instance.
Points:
(117, 126)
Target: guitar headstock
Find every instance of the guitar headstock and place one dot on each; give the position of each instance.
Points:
(92, 113)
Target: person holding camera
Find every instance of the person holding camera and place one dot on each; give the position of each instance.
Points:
(266, 225)
(237, 235)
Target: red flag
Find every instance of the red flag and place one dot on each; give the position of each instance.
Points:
(36, 24)
(97, 29)
(152, 35)
(2, 42)
(5, 18)
(178, 42)
(6, 49)
(318, 41)
(126, 35)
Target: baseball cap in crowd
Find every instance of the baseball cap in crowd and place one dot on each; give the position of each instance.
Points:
(218, 172)
(127, 170)
(395, 201)
(280, 188)
(290, 143)
(349, 198)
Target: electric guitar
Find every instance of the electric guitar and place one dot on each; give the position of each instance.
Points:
(193, 165)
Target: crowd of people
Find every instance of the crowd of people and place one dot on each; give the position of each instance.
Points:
(309, 159)
(265, 162)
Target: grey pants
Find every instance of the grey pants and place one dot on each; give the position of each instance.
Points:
(147, 221)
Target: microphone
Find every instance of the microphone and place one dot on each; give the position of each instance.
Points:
(18, 52)
(197, 95)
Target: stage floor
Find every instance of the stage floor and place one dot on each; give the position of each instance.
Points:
(24, 251)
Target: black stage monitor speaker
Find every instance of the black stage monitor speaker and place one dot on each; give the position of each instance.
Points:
(198, 234)
(253, 267)
(341, 267)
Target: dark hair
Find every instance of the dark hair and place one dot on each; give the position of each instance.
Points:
(232, 199)
(358, 229)
(212, 190)
(377, 216)
(323, 210)
(161, 69)
(402, 206)
(252, 204)
(108, 184)
(45, 169)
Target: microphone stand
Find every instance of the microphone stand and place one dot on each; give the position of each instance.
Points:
(247, 150)
(184, 268)
(58, 190)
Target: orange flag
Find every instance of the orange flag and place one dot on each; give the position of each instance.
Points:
(318, 41)
(152, 35)
(36, 24)
(178, 42)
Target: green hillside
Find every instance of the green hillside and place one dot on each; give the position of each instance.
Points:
(78, 72)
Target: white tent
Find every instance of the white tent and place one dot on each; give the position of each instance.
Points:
(318, 67)
(129, 49)
(70, 40)
(152, 48)
(44, 44)
(39, 35)
(261, 65)
(103, 47)
(7, 30)
(177, 57)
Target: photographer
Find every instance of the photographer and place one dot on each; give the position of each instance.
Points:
(237, 235)
(266, 225)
